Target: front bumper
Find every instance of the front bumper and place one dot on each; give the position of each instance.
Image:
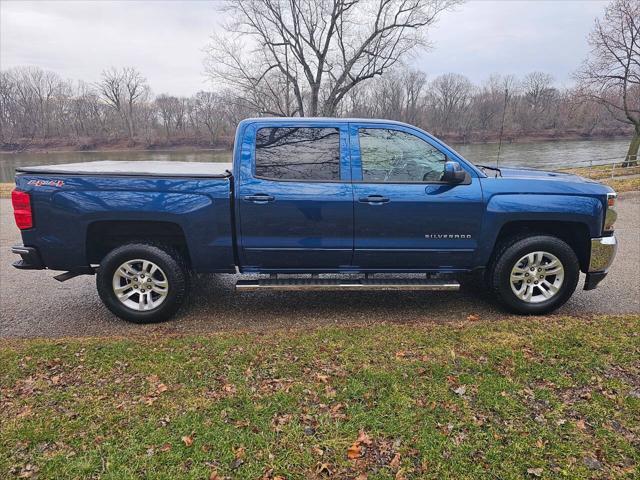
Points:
(603, 251)
(30, 258)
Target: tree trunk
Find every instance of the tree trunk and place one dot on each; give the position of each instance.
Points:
(631, 159)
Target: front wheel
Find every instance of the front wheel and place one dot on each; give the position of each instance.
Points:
(142, 283)
(535, 275)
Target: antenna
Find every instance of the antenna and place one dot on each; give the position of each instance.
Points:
(504, 112)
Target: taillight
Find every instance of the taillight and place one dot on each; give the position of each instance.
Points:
(21, 202)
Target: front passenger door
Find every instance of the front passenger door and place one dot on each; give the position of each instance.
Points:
(405, 216)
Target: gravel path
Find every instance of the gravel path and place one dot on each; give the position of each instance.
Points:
(32, 304)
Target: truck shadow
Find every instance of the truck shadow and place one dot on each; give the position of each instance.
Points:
(214, 298)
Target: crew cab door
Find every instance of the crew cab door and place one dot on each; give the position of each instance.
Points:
(294, 197)
(405, 217)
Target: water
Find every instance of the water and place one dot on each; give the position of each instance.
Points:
(548, 155)
(544, 155)
(9, 161)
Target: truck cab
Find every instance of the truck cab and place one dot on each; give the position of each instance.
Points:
(365, 199)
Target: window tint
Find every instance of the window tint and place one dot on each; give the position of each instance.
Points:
(298, 153)
(394, 156)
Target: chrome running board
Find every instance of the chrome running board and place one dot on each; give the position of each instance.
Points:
(377, 283)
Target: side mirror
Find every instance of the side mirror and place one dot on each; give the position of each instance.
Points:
(453, 173)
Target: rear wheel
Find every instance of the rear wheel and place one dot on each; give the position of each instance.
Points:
(535, 275)
(142, 283)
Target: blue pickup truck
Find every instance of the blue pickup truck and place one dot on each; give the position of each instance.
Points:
(309, 203)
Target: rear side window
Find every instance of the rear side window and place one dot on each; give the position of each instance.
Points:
(306, 154)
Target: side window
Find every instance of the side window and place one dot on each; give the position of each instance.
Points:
(298, 153)
(394, 156)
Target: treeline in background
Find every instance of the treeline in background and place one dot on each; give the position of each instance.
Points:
(40, 109)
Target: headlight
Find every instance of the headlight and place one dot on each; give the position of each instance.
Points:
(611, 215)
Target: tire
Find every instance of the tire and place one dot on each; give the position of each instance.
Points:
(541, 290)
(161, 274)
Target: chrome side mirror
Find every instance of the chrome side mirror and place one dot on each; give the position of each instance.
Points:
(453, 173)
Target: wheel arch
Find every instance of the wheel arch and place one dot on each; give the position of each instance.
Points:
(104, 236)
(575, 234)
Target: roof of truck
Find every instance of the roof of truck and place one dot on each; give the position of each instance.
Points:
(135, 168)
(324, 120)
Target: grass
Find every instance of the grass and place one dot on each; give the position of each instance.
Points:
(524, 397)
(603, 172)
(623, 184)
(5, 189)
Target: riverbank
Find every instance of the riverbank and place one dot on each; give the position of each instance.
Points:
(87, 145)
(513, 398)
(67, 145)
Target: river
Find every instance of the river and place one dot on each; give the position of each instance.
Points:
(544, 155)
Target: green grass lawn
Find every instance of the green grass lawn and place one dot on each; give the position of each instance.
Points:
(519, 398)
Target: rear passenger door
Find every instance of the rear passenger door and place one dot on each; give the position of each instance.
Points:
(295, 197)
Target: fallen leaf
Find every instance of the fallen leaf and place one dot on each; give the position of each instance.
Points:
(354, 451)
(395, 461)
(592, 463)
(581, 425)
(239, 452)
(165, 448)
(536, 472)
(187, 440)
(461, 390)
(540, 443)
(161, 388)
(330, 391)
(363, 438)
(473, 318)
(28, 471)
(214, 475)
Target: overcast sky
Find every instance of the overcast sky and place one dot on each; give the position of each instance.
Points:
(164, 39)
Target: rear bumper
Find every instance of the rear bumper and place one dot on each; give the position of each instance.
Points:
(603, 251)
(29, 258)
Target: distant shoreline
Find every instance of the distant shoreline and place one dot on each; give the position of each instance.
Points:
(188, 145)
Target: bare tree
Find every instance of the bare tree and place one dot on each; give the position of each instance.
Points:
(123, 90)
(318, 50)
(209, 112)
(611, 75)
(538, 95)
(450, 98)
(34, 109)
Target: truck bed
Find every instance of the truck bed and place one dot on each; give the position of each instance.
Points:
(77, 207)
(135, 169)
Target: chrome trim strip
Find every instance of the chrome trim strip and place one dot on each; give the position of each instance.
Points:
(603, 251)
(344, 285)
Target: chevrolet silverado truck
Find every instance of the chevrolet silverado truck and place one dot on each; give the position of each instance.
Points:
(310, 203)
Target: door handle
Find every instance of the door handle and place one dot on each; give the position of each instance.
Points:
(260, 198)
(374, 199)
